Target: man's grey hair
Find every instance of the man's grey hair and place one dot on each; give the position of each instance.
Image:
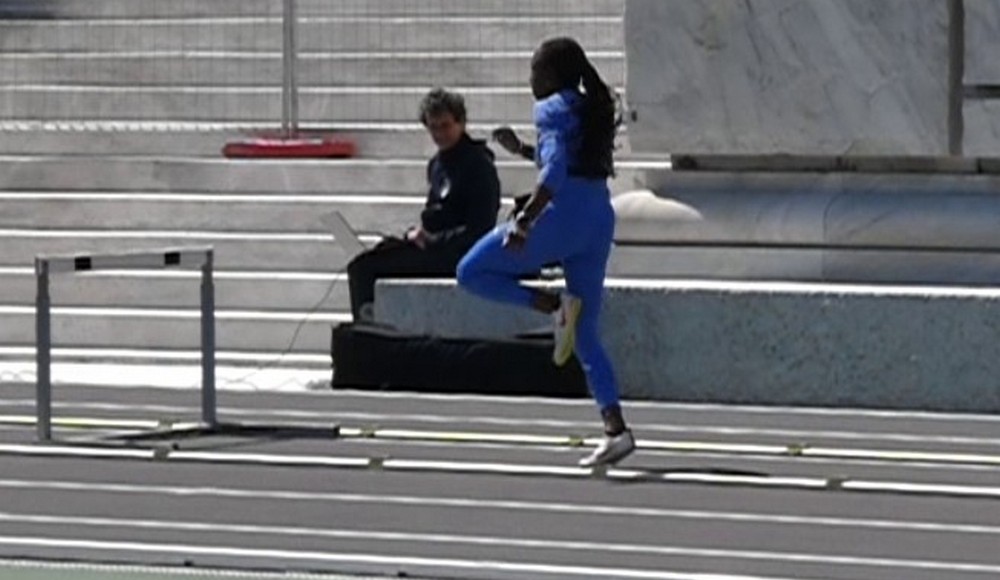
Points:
(440, 101)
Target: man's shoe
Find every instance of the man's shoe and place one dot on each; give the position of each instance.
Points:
(611, 450)
(564, 321)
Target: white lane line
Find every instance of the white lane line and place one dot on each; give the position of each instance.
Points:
(427, 502)
(917, 488)
(408, 465)
(562, 441)
(783, 412)
(97, 423)
(502, 542)
(68, 423)
(382, 418)
(395, 561)
(136, 571)
(511, 469)
(32, 450)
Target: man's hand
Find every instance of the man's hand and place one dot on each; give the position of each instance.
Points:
(418, 237)
(507, 139)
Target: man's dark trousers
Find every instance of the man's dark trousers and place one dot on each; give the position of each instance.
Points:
(396, 258)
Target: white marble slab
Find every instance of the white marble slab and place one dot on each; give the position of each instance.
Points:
(982, 41)
(788, 76)
(982, 128)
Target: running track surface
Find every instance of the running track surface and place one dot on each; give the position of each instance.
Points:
(418, 486)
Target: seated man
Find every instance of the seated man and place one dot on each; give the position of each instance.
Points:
(462, 204)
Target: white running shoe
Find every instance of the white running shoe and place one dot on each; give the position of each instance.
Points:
(611, 450)
(564, 322)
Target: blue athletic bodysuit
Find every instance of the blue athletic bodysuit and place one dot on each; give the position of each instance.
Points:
(576, 229)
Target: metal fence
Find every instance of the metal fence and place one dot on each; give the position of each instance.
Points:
(270, 63)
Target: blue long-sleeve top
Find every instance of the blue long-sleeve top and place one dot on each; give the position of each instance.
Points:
(557, 121)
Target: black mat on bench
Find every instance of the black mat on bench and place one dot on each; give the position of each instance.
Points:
(366, 357)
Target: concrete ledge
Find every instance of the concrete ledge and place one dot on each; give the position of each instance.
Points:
(762, 343)
(860, 227)
(922, 164)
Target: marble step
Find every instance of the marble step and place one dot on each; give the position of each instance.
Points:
(145, 328)
(188, 69)
(442, 32)
(262, 290)
(198, 175)
(171, 367)
(233, 251)
(206, 139)
(206, 212)
(189, 8)
(252, 105)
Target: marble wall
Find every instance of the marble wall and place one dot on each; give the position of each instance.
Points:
(982, 41)
(826, 77)
(982, 67)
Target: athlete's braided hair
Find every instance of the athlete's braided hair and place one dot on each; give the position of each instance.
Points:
(567, 60)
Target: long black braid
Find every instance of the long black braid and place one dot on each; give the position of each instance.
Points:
(566, 58)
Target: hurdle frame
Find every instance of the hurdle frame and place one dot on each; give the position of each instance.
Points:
(187, 257)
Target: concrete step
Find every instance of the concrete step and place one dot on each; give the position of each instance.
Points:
(238, 369)
(250, 104)
(234, 290)
(76, 327)
(188, 69)
(204, 212)
(233, 250)
(200, 8)
(206, 139)
(196, 175)
(317, 252)
(382, 140)
(442, 32)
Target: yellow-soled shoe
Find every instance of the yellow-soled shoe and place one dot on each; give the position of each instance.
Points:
(564, 322)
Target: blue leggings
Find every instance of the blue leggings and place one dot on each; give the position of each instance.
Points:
(576, 230)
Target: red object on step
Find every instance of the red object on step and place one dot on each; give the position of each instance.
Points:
(290, 147)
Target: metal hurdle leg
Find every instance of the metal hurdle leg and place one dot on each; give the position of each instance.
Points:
(290, 89)
(43, 352)
(208, 402)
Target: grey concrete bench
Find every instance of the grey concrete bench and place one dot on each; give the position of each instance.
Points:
(767, 343)
(811, 289)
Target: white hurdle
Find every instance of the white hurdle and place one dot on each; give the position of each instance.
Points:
(190, 257)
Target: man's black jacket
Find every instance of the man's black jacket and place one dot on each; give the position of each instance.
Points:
(464, 195)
